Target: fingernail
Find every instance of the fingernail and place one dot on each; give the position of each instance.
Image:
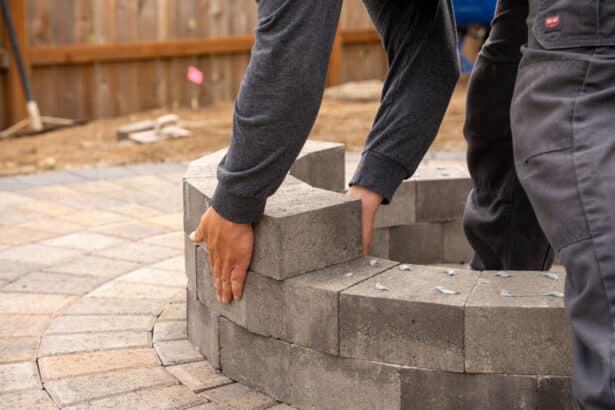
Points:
(191, 236)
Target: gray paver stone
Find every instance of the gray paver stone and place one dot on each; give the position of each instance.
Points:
(170, 330)
(237, 397)
(27, 399)
(99, 323)
(18, 376)
(177, 352)
(88, 342)
(94, 266)
(18, 349)
(115, 306)
(198, 376)
(174, 311)
(54, 283)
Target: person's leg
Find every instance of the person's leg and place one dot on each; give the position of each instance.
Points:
(564, 143)
(499, 221)
(420, 42)
(278, 101)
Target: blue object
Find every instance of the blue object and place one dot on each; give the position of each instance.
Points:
(474, 11)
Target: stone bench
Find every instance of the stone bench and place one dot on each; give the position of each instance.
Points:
(322, 327)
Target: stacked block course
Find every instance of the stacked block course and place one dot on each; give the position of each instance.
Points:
(321, 327)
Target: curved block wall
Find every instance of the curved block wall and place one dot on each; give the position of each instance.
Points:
(321, 327)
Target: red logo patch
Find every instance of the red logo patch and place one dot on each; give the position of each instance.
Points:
(552, 21)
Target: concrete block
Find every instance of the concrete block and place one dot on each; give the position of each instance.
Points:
(264, 366)
(177, 352)
(324, 227)
(555, 393)
(410, 324)
(441, 193)
(321, 165)
(311, 302)
(321, 381)
(381, 243)
(457, 249)
(260, 309)
(203, 329)
(198, 376)
(525, 334)
(401, 210)
(439, 390)
(419, 243)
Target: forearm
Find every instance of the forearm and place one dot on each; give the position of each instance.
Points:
(277, 104)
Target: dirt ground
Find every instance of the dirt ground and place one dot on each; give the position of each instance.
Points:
(96, 145)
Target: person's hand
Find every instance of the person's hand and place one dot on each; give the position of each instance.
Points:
(370, 202)
(230, 246)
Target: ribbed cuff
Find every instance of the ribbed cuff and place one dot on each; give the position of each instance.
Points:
(379, 174)
(235, 208)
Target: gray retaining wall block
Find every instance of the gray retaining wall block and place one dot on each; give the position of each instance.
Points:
(381, 243)
(297, 233)
(555, 393)
(420, 243)
(321, 165)
(527, 333)
(456, 248)
(411, 323)
(203, 328)
(401, 210)
(441, 193)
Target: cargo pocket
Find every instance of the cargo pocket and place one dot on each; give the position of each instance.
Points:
(542, 117)
(563, 24)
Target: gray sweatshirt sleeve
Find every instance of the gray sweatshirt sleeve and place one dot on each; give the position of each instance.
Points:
(282, 90)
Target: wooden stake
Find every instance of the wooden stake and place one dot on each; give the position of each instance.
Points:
(15, 98)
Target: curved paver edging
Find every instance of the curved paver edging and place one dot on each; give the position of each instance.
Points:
(319, 326)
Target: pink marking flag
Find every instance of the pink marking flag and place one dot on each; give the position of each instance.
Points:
(195, 75)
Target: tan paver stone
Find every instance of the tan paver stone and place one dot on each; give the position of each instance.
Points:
(50, 192)
(198, 376)
(31, 303)
(10, 270)
(23, 325)
(115, 306)
(239, 397)
(164, 398)
(282, 407)
(117, 289)
(11, 200)
(83, 388)
(171, 330)
(80, 364)
(173, 221)
(135, 211)
(174, 311)
(91, 218)
(171, 240)
(177, 352)
(18, 349)
(55, 225)
(18, 376)
(27, 400)
(94, 266)
(174, 264)
(54, 283)
(10, 235)
(133, 230)
(39, 254)
(100, 323)
(16, 216)
(86, 241)
(50, 208)
(90, 342)
(138, 252)
(156, 277)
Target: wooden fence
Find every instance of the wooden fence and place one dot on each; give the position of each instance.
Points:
(99, 58)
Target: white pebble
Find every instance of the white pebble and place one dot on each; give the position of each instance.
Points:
(373, 262)
(552, 276)
(503, 274)
(446, 291)
(506, 293)
(404, 268)
(349, 274)
(451, 272)
(555, 294)
(380, 286)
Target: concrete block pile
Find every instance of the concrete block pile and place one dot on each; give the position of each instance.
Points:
(322, 327)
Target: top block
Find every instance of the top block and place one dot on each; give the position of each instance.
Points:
(303, 228)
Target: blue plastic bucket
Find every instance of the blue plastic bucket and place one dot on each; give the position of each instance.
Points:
(474, 11)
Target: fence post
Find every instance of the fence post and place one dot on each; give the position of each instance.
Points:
(334, 76)
(15, 98)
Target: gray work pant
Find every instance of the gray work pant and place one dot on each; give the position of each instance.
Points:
(550, 178)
